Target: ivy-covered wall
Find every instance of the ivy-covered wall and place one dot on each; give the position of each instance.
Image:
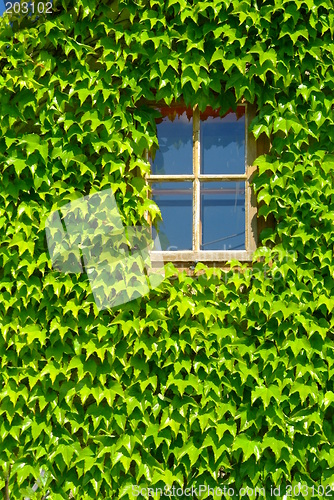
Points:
(223, 380)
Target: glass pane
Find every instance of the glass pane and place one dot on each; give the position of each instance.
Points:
(2, 7)
(223, 142)
(175, 132)
(175, 200)
(223, 215)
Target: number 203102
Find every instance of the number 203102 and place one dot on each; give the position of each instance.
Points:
(25, 7)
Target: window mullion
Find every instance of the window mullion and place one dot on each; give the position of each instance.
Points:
(197, 234)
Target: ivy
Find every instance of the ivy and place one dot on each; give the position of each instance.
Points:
(225, 377)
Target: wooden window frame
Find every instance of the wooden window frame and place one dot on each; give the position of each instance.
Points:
(184, 258)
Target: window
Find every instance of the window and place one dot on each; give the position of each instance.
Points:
(200, 179)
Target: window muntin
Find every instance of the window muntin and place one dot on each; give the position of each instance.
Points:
(227, 211)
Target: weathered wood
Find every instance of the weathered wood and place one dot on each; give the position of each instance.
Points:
(201, 177)
(201, 255)
(251, 205)
(197, 236)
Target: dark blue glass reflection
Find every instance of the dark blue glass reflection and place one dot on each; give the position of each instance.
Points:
(174, 155)
(223, 215)
(175, 200)
(223, 143)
